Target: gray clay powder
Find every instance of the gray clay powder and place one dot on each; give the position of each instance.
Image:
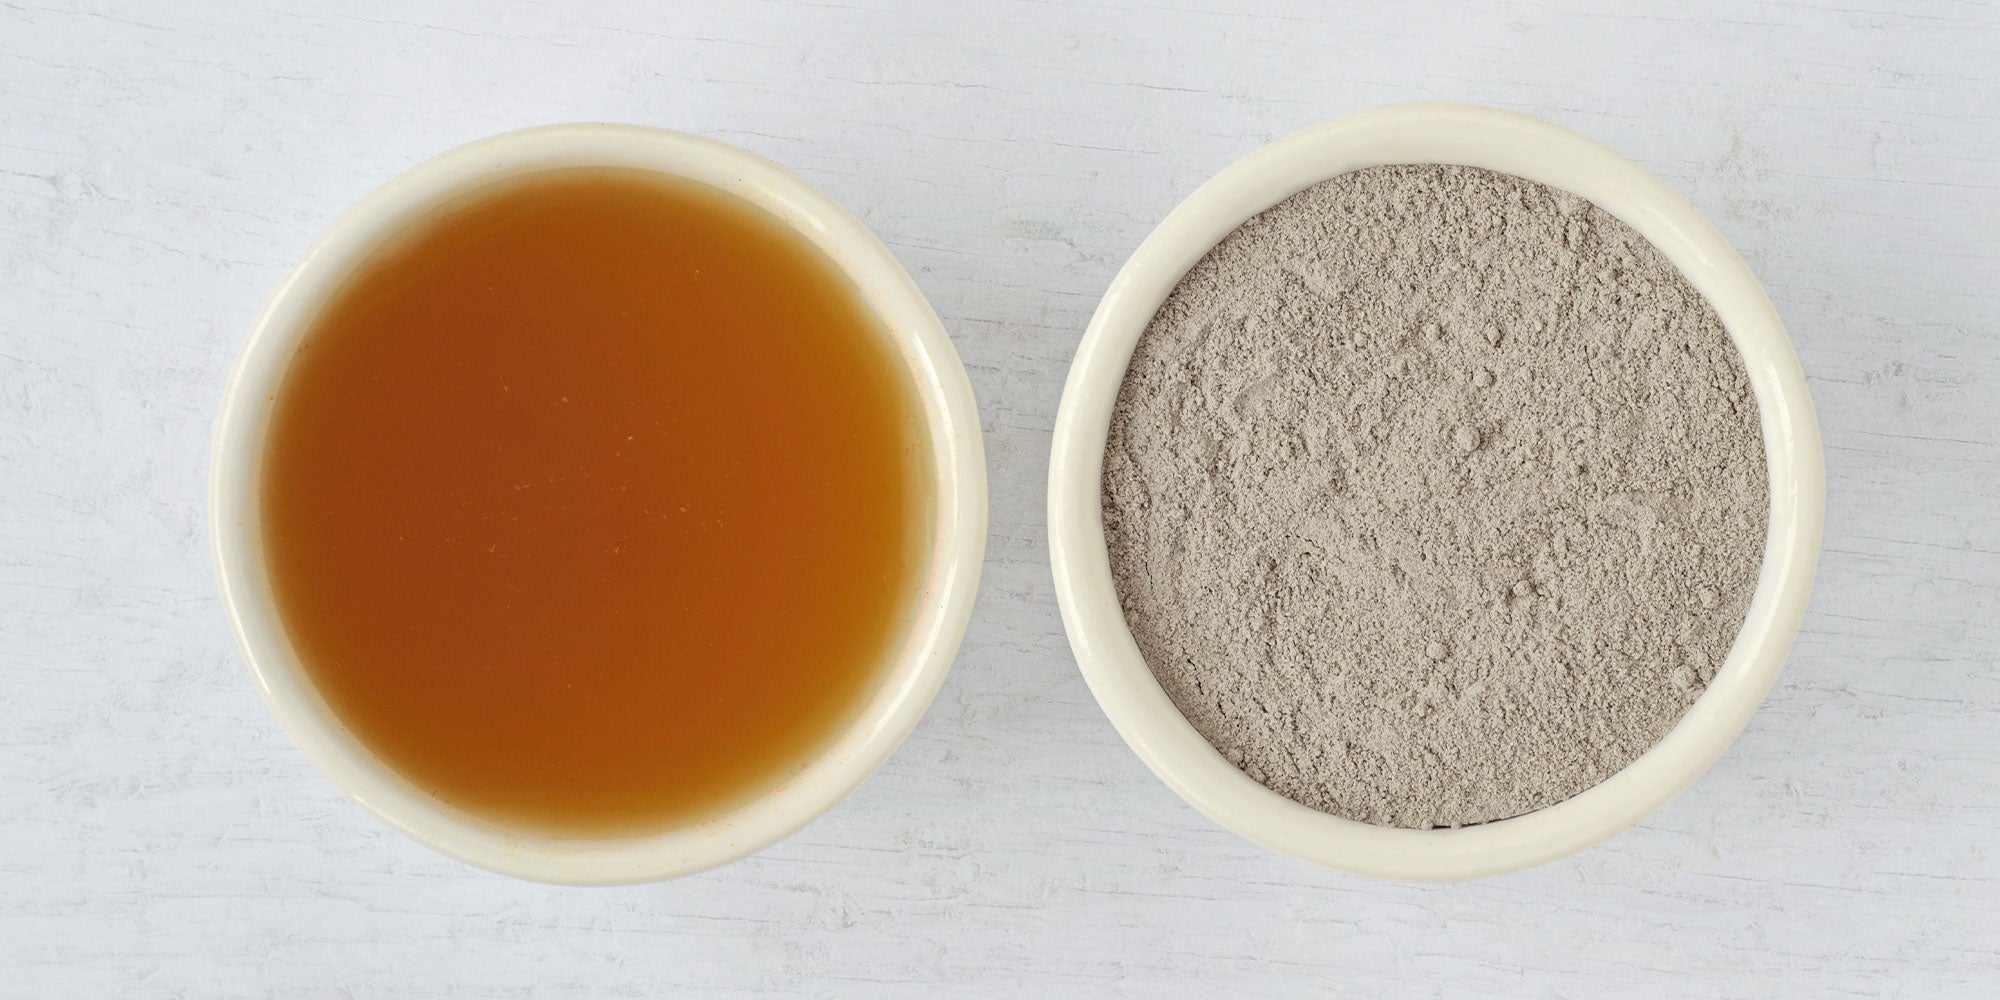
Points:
(1434, 496)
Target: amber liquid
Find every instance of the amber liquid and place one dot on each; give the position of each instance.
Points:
(596, 503)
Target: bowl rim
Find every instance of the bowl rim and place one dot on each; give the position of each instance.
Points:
(941, 611)
(1509, 142)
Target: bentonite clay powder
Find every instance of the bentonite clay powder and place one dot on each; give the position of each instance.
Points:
(1434, 496)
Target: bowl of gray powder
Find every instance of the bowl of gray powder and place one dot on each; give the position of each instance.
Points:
(1434, 493)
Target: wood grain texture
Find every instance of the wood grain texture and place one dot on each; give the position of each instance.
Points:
(161, 165)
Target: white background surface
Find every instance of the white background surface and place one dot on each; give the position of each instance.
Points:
(161, 164)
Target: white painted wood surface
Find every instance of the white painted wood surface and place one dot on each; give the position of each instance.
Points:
(161, 164)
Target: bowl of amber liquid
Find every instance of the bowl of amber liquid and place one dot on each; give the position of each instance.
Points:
(598, 504)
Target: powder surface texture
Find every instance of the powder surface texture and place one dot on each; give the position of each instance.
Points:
(1434, 496)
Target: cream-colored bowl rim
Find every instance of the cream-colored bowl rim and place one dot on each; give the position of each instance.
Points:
(1538, 151)
(958, 491)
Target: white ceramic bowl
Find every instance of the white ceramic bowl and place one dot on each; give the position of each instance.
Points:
(1538, 151)
(958, 492)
